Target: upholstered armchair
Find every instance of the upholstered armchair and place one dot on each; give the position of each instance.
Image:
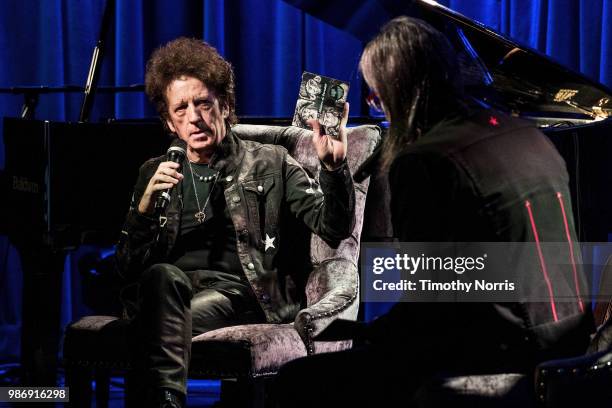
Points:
(246, 356)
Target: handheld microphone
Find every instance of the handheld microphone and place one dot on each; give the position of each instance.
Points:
(176, 153)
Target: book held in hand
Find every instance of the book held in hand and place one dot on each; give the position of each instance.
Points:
(320, 98)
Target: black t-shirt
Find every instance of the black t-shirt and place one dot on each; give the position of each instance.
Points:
(210, 244)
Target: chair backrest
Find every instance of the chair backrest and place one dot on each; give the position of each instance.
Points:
(361, 143)
(332, 288)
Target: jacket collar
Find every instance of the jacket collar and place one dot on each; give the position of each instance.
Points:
(228, 155)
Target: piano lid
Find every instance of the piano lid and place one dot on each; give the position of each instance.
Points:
(497, 70)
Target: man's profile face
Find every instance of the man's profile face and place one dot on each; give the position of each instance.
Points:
(195, 115)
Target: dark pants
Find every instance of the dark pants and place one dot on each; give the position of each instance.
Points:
(174, 306)
(361, 377)
(390, 375)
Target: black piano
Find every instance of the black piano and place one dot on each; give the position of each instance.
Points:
(573, 110)
(75, 187)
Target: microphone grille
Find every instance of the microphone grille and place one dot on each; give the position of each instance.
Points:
(177, 145)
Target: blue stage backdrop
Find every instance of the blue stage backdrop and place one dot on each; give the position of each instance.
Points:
(269, 43)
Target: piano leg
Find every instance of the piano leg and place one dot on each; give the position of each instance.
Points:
(78, 380)
(40, 332)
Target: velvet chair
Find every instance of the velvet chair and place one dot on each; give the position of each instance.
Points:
(244, 357)
(583, 381)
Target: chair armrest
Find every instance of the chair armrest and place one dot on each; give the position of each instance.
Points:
(580, 381)
(332, 292)
(476, 390)
(286, 136)
(602, 339)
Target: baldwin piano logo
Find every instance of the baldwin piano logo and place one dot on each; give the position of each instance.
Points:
(24, 185)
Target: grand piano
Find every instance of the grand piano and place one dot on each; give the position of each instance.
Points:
(44, 215)
(573, 110)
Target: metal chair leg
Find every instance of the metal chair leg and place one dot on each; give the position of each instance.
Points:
(78, 381)
(246, 393)
(102, 377)
(134, 396)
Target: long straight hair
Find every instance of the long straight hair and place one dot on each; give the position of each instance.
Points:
(414, 70)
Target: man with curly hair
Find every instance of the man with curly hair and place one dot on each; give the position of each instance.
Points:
(212, 260)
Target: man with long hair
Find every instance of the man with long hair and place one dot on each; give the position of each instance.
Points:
(458, 172)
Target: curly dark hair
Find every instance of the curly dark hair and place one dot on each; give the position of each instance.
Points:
(189, 57)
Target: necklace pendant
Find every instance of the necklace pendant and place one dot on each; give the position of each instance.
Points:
(200, 216)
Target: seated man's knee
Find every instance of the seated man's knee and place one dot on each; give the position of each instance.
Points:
(164, 275)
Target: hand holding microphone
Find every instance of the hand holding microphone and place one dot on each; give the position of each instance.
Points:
(156, 197)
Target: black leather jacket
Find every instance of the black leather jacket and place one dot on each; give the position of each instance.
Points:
(263, 186)
(468, 180)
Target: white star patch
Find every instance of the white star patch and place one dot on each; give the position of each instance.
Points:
(269, 242)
